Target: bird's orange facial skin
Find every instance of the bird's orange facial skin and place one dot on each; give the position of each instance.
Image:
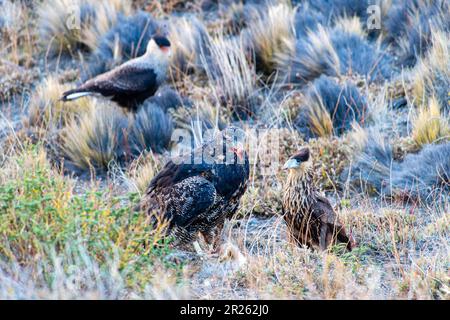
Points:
(166, 50)
(239, 152)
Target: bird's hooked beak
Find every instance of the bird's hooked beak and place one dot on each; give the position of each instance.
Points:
(291, 164)
(238, 149)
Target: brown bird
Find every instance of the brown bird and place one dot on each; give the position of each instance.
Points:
(133, 81)
(197, 196)
(310, 218)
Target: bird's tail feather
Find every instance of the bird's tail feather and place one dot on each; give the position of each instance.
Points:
(344, 238)
(74, 94)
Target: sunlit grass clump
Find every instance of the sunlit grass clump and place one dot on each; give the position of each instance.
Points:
(126, 39)
(270, 34)
(350, 25)
(372, 106)
(141, 171)
(105, 136)
(330, 108)
(431, 77)
(107, 13)
(61, 23)
(69, 25)
(232, 77)
(430, 126)
(189, 39)
(46, 109)
(96, 139)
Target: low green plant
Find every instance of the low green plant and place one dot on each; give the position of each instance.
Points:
(41, 216)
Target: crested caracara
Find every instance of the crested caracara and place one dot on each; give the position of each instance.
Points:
(196, 192)
(133, 81)
(310, 218)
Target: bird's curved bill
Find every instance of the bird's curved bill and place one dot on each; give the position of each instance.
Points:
(291, 163)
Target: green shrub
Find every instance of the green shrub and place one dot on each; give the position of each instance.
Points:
(41, 214)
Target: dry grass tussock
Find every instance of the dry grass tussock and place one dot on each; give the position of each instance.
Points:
(271, 34)
(141, 171)
(68, 25)
(47, 111)
(106, 15)
(318, 56)
(329, 108)
(72, 174)
(350, 25)
(205, 113)
(431, 76)
(189, 37)
(430, 126)
(231, 76)
(96, 138)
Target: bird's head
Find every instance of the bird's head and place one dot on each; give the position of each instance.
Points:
(235, 141)
(239, 150)
(160, 46)
(299, 162)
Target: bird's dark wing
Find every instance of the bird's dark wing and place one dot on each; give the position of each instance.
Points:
(323, 210)
(189, 200)
(327, 215)
(175, 172)
(126, 80)
(231, 179)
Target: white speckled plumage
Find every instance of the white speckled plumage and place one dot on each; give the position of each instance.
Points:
(197, 197)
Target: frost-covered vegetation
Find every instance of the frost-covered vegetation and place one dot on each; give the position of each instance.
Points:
(372, 104)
